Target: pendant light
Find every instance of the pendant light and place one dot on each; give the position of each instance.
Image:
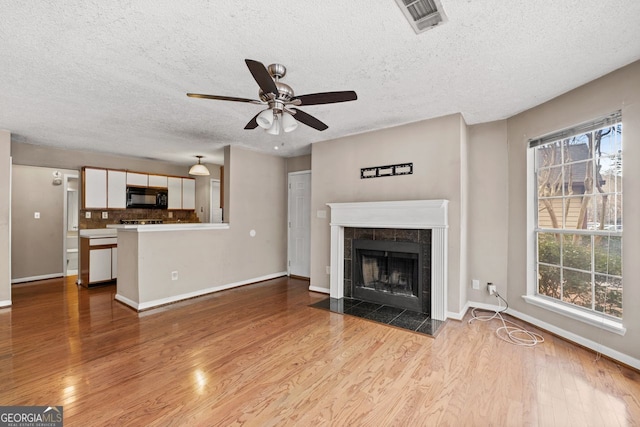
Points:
(199, 169)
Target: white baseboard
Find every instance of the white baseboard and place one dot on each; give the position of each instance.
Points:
(34, 278)
(127, 301)
(459, 315)
(5, 303)
(569, 336)
(319, 289)
(140, 306)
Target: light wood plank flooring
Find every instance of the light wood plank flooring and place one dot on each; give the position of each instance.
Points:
(259, 356)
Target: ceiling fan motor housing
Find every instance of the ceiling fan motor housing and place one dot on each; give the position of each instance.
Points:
(277, 71)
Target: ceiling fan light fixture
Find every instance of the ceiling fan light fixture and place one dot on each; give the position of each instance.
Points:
(275, 127)
(199, 169)
(265, 119)
(289, 123)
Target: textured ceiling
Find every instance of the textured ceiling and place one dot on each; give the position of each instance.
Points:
(111, 76)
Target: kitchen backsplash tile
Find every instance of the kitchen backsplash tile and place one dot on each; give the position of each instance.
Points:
(114, 216)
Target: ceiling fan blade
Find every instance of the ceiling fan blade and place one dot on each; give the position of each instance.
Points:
(253, 123)
(262, 76)
(326, 97)
(308, 120)
(224, 98)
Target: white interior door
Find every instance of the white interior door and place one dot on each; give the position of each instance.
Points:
(299, 223)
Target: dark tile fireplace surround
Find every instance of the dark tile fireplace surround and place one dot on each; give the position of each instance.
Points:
(383, 312)
(421, 237)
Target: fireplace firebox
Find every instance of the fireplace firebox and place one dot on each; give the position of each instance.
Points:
(388, 272)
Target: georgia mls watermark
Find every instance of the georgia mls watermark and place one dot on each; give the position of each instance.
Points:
(30, 416)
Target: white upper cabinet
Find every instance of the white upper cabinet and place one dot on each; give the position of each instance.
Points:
(138, 179)
(95, 188)
(158, 181)
(107, 188)
(188, 193)
(175, 192)
(116, 189)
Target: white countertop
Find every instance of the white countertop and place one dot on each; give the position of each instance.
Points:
(168, 227)
(96, 233)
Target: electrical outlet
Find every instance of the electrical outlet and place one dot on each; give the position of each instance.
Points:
(87, 215)
(174, 275)
(475, 283)
(170, 214)
(105, 215)
(491, 288)
(36, 215)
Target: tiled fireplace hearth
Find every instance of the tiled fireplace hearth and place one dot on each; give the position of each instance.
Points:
(422, 223)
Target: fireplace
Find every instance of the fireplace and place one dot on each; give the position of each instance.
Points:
(388, 266)
(416, 222)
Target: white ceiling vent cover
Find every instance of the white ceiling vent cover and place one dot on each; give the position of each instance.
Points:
(422, 14)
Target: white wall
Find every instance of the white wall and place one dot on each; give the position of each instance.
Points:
(437, 149)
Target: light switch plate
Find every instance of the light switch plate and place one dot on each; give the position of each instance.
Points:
(36, 215)
(321, 213)
(105, 215)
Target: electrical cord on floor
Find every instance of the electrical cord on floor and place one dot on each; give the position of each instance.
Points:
(511, 334)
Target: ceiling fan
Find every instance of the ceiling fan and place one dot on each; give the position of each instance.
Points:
(280, 115)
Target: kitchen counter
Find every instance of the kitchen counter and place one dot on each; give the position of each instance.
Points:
(167, 227)
(97, 233)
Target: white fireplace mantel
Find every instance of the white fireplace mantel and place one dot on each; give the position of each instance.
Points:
(411, 214)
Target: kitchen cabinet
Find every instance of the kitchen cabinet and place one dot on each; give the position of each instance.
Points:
(107, 188)
(159, 181)
(182, 193)
(137, 179)
(94, 183)
(99, 260)
(116, 189)
(175, 192)
(188, 193)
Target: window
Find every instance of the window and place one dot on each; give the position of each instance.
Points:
(578, 220)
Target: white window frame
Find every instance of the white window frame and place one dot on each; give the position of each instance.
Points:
(592, 318)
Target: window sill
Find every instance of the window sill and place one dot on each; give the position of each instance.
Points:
(591, 319)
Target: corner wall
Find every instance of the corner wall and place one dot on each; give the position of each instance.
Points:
(436, 148)
(488, 210)
(37, 244)
(209, 260)
(617, 90)
(5, 210)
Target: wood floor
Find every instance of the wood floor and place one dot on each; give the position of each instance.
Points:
(259, 356)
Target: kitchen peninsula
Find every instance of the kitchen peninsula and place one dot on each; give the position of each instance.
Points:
(163, 263)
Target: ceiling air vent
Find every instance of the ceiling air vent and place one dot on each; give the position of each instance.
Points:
(422, 14)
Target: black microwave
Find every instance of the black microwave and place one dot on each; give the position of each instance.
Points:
(147, 198)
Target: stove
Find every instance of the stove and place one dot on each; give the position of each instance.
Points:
(141, 221)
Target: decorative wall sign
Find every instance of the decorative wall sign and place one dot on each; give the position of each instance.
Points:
(389, 170)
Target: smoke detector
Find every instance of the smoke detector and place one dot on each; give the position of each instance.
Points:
(422, 14)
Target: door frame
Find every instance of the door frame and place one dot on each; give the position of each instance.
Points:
(289, 175)
(65, 213)
(211, 202)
